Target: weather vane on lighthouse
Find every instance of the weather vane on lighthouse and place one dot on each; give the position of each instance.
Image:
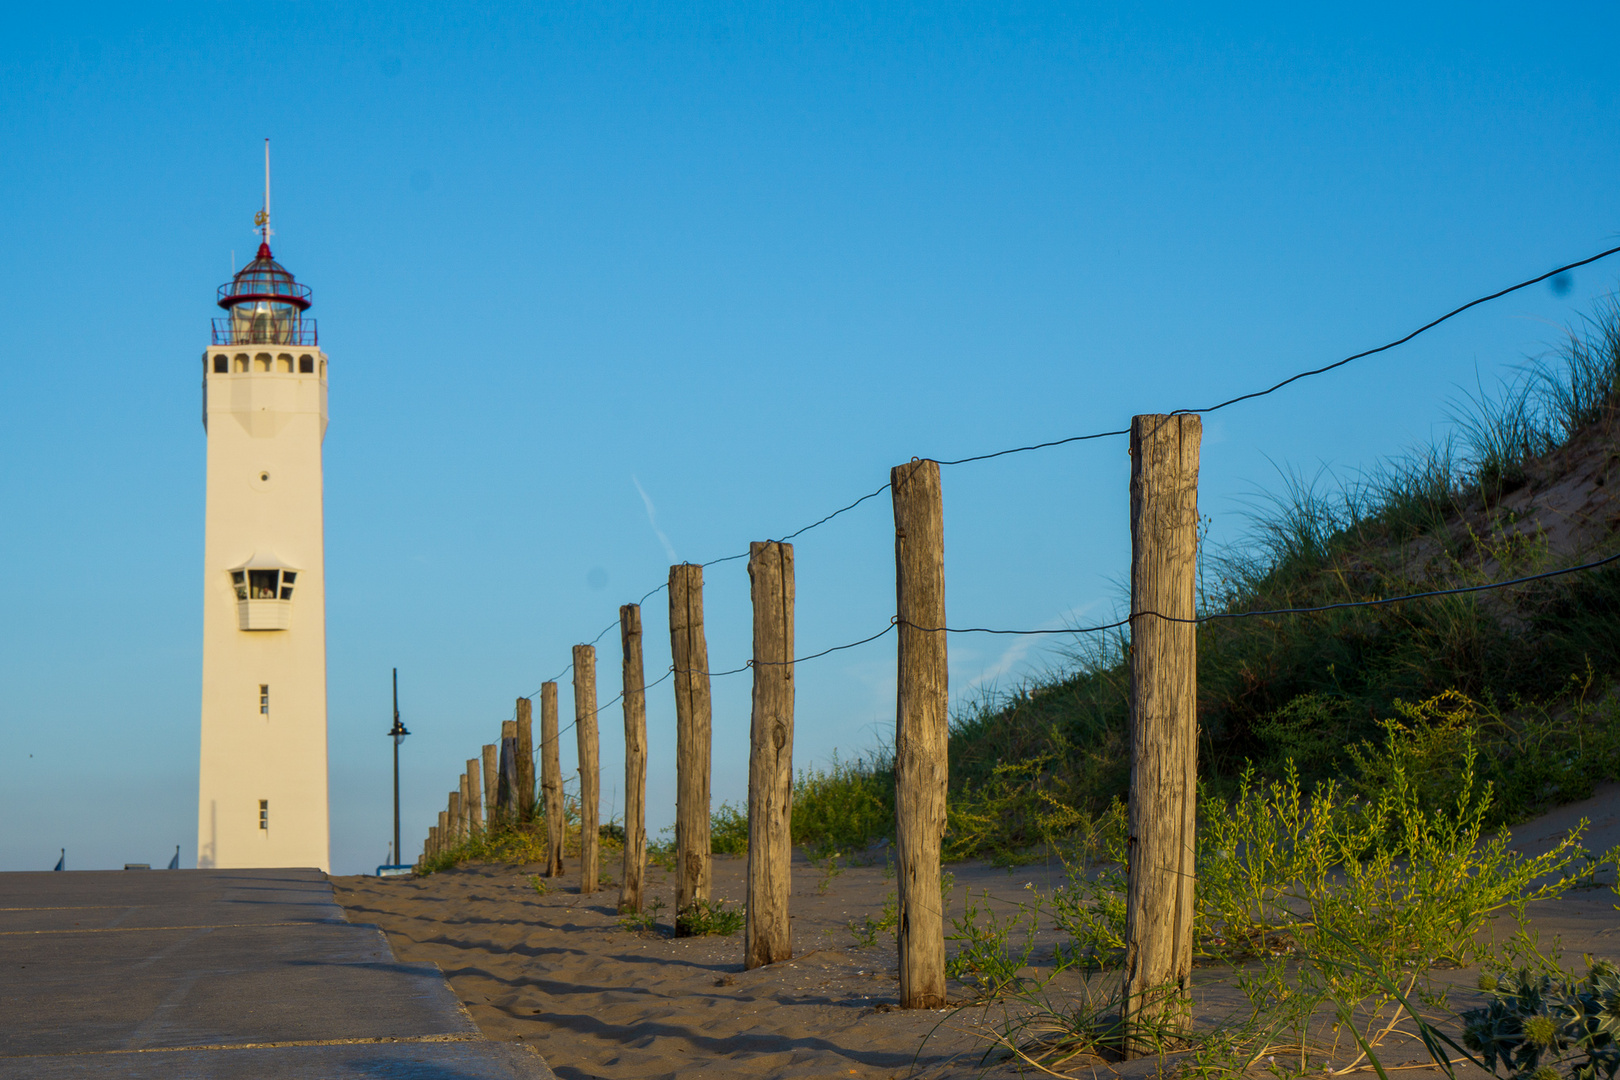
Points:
(261, 220)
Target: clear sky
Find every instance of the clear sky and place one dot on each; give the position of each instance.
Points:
(607, 287)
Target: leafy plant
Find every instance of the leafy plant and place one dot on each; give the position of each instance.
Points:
(845, 806)
(867, 930)
(643, 922)
(702, 917)
(661, 851)
(728, 830)
(831, 867)
(986, 956)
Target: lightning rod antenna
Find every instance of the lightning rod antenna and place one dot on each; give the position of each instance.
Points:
(262, 218)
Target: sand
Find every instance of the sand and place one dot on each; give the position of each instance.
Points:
(559, 972)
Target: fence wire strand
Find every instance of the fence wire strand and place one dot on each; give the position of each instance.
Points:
(1324, 369)
(1342, 605)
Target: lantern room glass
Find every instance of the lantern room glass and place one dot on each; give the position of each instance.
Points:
(260, 322)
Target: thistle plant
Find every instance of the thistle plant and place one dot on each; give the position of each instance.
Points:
(1541, 1027)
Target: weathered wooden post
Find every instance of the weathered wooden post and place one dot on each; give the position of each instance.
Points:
(689, 651)
(444, 832)
(525, 759)
(921, 728)
(492, 781)
(432, 850)
(590, 774)
(1164, 724)
(474, 799)
(455, 818)
(506, 791)
(635, 760)
(769, 936)
(464, 808)
(551, 781)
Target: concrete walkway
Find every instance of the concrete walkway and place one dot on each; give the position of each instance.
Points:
(220, 973)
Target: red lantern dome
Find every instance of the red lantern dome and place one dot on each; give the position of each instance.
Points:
(266, 306)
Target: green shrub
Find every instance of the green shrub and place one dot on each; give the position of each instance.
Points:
(1306, 686)
(728, 830)
(845, 806)
(1285, 870)
(987, 955)
(708, 917)
(510, 844)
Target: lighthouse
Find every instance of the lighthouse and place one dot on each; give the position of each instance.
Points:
(262, 790)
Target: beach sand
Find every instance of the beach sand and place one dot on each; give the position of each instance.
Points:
(558, 971)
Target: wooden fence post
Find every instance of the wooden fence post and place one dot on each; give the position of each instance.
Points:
(689, 651)
(463, 807)
(920, 733)
(635, 760)
(474, 799)
(444, 831)
(525, 759)
(455, 818)
(551, 781)
(768, 937)
(432, 842)
(1164, 724)
(590, 773)
(506, 790)
(492, 780)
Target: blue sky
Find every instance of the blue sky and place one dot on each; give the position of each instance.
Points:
(575, 266)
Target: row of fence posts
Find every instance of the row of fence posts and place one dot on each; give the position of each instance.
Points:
(1157, 961)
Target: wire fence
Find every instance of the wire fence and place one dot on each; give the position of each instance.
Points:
(1111, 433)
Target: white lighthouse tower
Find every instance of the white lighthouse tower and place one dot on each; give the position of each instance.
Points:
(261, 797)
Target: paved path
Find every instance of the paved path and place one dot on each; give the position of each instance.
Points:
(184, 974)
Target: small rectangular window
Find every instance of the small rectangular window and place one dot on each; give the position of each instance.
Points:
(264, 698)
(221, 365)
(306, 365)
(264, 813)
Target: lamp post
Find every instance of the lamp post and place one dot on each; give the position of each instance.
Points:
(397, 733)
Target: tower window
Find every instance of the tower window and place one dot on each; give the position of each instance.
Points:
(263, 588)
(306, 365)
(221, 364)
(284, 364)
(262, 584)
(263, 361)
(264, 814)
(241, 363)
(264, 699)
